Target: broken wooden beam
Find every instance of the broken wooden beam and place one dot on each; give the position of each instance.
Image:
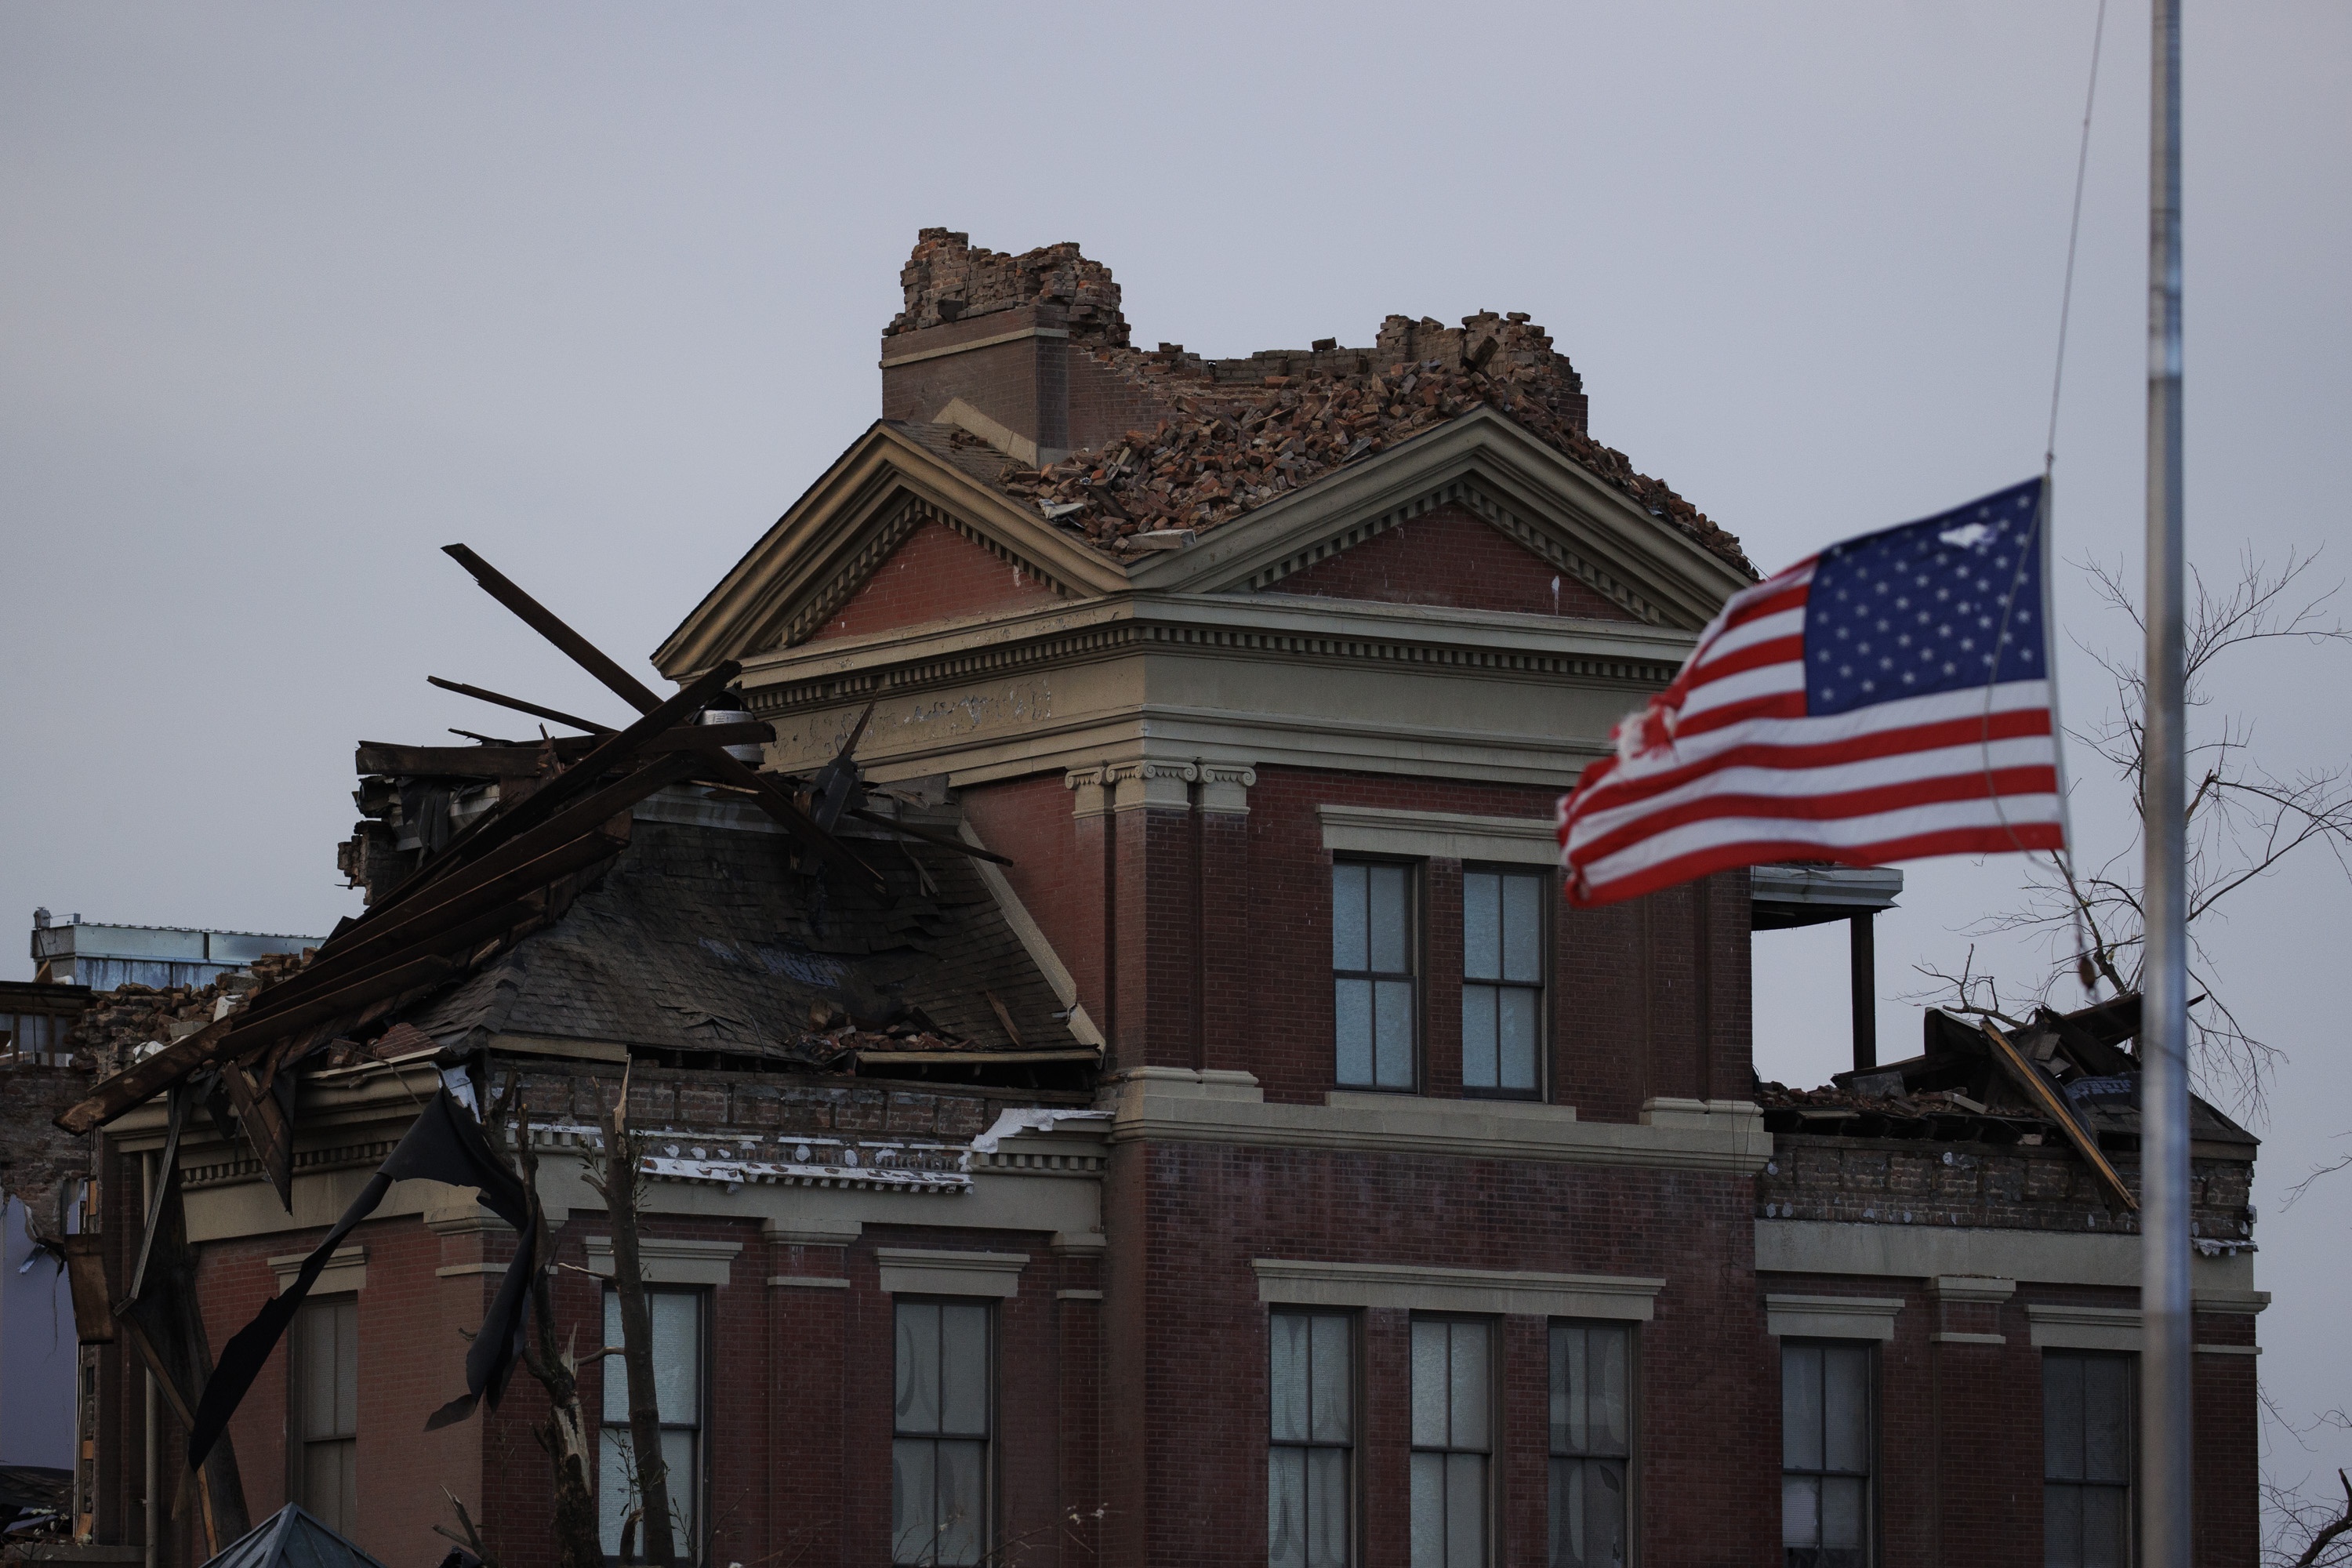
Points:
(543, 621)
(553, 715)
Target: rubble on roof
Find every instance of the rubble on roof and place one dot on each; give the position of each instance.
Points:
(1244, 432)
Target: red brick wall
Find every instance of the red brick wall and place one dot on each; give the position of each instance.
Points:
(1104, 405)
(1022, 385)
(1187, 1379)
(1450, 556)
(937, 573)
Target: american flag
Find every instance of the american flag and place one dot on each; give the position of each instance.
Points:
(1885, 699)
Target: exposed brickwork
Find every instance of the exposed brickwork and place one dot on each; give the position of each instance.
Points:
(934, 575)
(1449, 556)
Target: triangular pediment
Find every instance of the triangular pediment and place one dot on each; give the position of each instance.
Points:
(877, 497)
(1482, 463)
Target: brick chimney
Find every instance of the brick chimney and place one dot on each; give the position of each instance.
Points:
(985, 340)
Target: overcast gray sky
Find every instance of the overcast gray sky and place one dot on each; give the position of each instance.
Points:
(296, 295)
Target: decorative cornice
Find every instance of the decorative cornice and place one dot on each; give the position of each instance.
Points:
(923, 1271)
(1439, 835)
(1833, 1317)
(1413, 1287)
(893, 530)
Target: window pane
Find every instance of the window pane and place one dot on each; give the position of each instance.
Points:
(1348, 946)
(2106, 1418)
(1466, 1511)
(1845, 1416)
(1393, 1019)
(1481, 925)
(1611, 1349)
(1387, 919)
(961, 1510)
(318, 1371)
(1588, 1514)
(677, 1330)
(1469, 1386)
(1286, 1508)
(1429, 1384)
(1428, 1508)
(1353, 1011)
(1326, 1507)
(1801, 1510)
(2061, 1527)
(1567, 1412)
(616, 1376)
(2107, 1527)
(1333, 1391)
(918, 1366)
(2062, 1418)
(685, 1484)
(1842, 1511)
(913, 1501)
(1287, 1373)
(1800, 1407)
(963, 1369)
(347, 1367)
(1523, 928)
(615, 1487)
(1479, 1065)
(324, 1469)
(1518, 1031)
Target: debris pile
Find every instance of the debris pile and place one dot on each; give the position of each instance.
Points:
(118, 1022)
(1241, 432)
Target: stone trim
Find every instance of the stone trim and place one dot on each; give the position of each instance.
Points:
(1178, 1105)
(1034, 941)
(2073, 1327)
(1225, 788)
(989, 342)
(1409, 1287)
(2228, 1350)
(925, 1271)
(1927, 1252)
(1439, 835)
(1077, 1295)
(1953, 1339)
(1974, 1290)
(346, 1271)
(1168, 785)
(810, 1232)
(1833, 1317)
(670, 1261)
(808, 1282)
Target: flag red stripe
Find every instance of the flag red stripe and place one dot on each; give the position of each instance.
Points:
(1974, 786)
(2015, 724)
(1753, 852)
(1778, 650)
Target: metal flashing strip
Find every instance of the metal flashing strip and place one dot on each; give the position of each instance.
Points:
(923, 1271)
(1833, 1317)
(1283, 1281)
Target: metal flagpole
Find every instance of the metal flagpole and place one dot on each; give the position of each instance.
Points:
(2164, 1417)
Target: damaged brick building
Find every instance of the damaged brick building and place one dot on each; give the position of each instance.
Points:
(1183, 1123)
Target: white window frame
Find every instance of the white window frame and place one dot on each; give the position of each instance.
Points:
(1496, 986)
(1410, 976)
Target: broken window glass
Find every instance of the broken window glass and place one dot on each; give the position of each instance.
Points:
(1502, 979)
(939, 1450)
(1311, 1410)
(1453, 1400)
(325, 1389)
(1825, 1455)
(678, 1394)
(2086, 1459)
(1591, 1443)
(1372, 967)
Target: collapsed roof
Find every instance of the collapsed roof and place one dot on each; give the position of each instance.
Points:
(1239, 433)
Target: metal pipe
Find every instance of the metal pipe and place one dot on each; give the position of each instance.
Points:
(1861, 955)
(2165, 1412)
(152, 1535)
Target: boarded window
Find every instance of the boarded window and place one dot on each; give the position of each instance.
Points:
(1372, 948)
(1591, 1443)
(678, 1394)
(1502, 979)
(1825, 1455)
(1311, 1437)
(325, 1389)
(939, 1450)
(2086, 1459)
(1452, 1442)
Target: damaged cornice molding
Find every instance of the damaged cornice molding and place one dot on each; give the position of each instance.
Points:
(1283, 1281)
